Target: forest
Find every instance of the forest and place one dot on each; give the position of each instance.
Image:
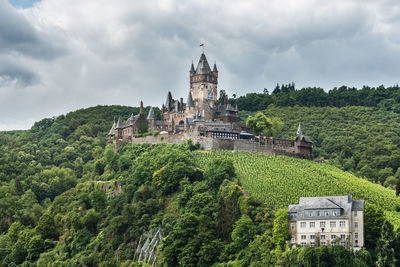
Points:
(67, 199)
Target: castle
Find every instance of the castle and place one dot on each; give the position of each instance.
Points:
(211, 124)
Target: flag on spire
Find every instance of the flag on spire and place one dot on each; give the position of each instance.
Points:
(202, 45)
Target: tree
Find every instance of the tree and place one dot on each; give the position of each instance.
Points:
(259, 123)
(385, 246)
(398, 187)
(374, 218)
(280, 232)
(275, 129)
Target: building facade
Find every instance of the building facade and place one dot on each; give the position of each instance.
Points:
(332, 220)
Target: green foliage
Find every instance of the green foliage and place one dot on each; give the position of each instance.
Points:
(259, 123)
(280, 181)
(385, 246)
(280, 232)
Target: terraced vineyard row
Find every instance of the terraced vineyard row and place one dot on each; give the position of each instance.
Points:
(280, 180)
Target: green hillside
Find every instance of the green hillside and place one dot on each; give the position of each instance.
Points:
(280, 180)
(361, 140)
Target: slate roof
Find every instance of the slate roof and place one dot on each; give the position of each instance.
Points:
(215, 67)
(111, 132)
(203, 67)
(190, 102)
(151, 114)
(343, 204)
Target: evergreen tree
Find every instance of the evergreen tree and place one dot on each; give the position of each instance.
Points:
(385, 250)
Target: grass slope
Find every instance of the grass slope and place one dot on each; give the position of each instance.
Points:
(281, 180)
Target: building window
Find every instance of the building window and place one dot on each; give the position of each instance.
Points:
(303, 225)
(355, 213)
(332, 224)
(303, 237)
(312, 237)
(333, 237)
(333, 243)
(303, 244)
(318, 213)
(326, 213)
(312, 224)
(310, 214)
(342, 224)
(355, 235)
(334, 213)
(322, 224)
(342, 236)
(292, 226)
(293, 240)
(312, 244)
(323, 243)
(322, 237)
(343, 244)
(355, 224)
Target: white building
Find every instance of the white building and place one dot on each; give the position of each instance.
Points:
(335, 220)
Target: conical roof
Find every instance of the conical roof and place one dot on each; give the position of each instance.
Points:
(190, 102)
(299, 131)
(215, 67)
(119, 124)
(151, 115)
(111, 132)
(203, 67)
(169, 101)
(192, 68)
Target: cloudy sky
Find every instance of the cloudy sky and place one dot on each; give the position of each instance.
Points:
(60, 55)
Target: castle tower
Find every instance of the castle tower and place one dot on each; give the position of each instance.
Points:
(203, 87)
(303, 144)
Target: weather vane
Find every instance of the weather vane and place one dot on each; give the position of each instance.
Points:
(202, 45)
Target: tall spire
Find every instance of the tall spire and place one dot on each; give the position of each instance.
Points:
(141, 107)
(168, 102)
(299, 131)
(151, 115)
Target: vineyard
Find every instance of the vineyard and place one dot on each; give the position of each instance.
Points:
(280, 180)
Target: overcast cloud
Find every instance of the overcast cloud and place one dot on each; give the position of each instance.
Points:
(60, 55)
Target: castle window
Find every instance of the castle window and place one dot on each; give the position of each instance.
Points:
(342, 236)
(355, 235)
(322, 224)
(312, 244)
(355, 224)
(355, 213)
(312, 237)
(303, 225)
(322, 237)
(332, 224)
(333, 237)
(342, 224)
(312, 224)
(303, 237)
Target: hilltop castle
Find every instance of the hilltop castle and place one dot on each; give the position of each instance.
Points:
(214, 125)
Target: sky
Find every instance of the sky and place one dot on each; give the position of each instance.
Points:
(57, 56)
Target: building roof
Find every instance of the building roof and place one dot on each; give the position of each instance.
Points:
(299, 131)
(190, 102)
(343, 204)
(215, 68)
(151, 114)
(192, 68)
(169, 101)
(202, 66)
(111, 132)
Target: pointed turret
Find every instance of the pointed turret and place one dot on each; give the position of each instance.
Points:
(168, 102)
(215, 67)
(141, 107)
(203, 67)
(190, 102)
(119, 124)
(112, 130)
(151, 115)
(299, 131)
(192, 69)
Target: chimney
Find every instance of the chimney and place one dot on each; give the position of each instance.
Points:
(181, 104)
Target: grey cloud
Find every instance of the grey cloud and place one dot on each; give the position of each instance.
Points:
(17, 35)
(69, 54)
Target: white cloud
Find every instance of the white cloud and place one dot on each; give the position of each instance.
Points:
(67, 54)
